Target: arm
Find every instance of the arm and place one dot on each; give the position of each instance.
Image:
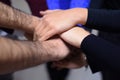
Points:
(15, 19)
(104, 20)
(73, 61)
(100, 53)
(17, 55)
(58, 21)
(96, 4)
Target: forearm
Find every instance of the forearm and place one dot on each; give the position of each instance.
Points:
(15, 19)
(101, 54)
(104, 20)
(75, 36)
(17, 55)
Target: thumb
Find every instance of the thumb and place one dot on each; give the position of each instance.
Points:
(47, 11)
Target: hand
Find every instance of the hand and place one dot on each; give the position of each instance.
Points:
(30, 33)
(74, 36)
(58, 21)
(33, 23)
(54, 48)
(72, 61)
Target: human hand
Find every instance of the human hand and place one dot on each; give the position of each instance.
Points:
(55, 49)
(74, 36)
(76, 60)
(29, 33)
(58, 21)
(31, 24)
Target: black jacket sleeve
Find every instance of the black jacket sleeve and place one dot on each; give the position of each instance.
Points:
(101, 54)
(104, 20)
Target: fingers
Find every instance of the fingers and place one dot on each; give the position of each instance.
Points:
(47, 11)
(66, 64)
(51, 24)
(60, 65)
(37, 31)
(47, 35)
(43, 33)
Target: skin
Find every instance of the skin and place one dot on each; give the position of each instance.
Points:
(16, 55)
(58, 21)
(74, 36)
(54, 22)
(15, 19)
(72, 62)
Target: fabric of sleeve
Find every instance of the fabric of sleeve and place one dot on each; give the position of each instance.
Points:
(101, 54)
(104, 20)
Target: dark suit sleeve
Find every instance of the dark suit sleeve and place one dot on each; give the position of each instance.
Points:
(101, 54)
(96, 4)
(104, 20)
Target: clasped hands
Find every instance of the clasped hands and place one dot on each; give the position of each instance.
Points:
(61, 23)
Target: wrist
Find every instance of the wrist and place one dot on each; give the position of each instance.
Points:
(34, 24)
(77, 34)
(83, 34)
(43, 51)
(49, 52)
(81, 15)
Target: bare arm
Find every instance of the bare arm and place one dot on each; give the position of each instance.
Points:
(75, 36)
(15, 19)
(17, 55)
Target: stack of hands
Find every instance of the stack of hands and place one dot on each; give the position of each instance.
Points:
(61, 23)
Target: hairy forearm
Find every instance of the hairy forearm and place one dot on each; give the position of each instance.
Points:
(17, 55)
(15, 19)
